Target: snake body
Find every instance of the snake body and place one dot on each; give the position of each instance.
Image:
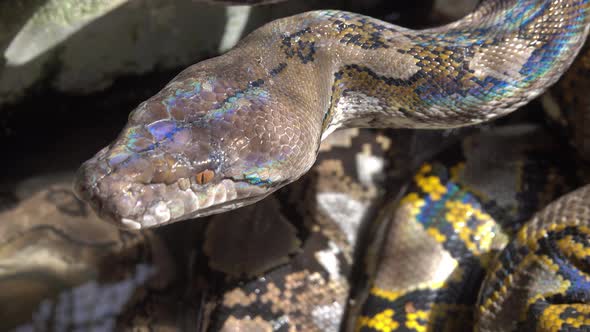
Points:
(454, 222)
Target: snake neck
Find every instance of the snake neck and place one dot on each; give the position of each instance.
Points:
(351, 70)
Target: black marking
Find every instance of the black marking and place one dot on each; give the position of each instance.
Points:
(255, 84)
(387, 80)
(293, 46)
(275, 71)
(405, 112)
(366, 35)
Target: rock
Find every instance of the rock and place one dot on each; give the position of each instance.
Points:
(82, 46)
(58, 259)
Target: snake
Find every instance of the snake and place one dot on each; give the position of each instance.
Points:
(231, 130)
(457, 224)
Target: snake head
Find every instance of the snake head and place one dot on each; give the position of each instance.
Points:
(200, 146)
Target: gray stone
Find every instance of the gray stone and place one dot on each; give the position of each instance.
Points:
(82, 46)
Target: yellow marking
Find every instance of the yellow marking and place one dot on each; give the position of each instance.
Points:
(453, 316)
(392, 295)
(411, 198)
(413, 320)
(432, 186)
(429, 184)
(414, 202)
(426, 168)
(522, 235)
(382, 321)
(550, 320)
(531, 239)
(436, 234)
(574, 249)
(385, 294)
(477, 240)
(456, 170)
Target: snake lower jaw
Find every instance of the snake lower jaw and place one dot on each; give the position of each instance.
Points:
(128, 223)
(133, 205)
(156, 219)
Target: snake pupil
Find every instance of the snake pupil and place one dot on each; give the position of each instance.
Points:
(204, 176)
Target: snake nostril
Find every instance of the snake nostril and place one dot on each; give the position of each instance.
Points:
(80, 186)
(84, 185)
(79, 190)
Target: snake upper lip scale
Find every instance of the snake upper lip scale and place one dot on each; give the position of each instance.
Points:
(230, 130)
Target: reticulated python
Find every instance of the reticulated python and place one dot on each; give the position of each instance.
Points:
(230, 130)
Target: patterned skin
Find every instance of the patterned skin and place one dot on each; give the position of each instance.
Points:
(339, 196)
(228, 131)
(309, 291)
(453, 220)
(231, 130)
(540, 281)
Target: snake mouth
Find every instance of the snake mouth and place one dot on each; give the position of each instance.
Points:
(135, 205)
(146, 221)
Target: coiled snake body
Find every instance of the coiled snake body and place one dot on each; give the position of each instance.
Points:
(228, 131)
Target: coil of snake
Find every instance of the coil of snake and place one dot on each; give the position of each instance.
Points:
(231, 130)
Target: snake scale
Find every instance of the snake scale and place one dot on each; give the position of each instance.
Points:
(231, 130)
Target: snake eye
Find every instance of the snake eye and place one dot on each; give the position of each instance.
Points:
(204, 176)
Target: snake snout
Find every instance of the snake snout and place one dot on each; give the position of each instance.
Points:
(86, 188)
(95, 184)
